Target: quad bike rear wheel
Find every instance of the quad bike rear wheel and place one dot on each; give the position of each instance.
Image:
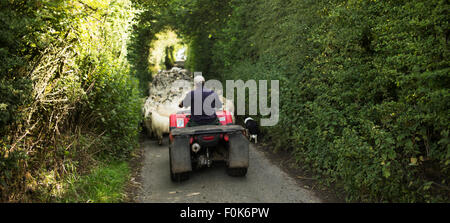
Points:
(177, 177)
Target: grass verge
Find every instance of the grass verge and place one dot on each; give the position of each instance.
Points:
(105, 184)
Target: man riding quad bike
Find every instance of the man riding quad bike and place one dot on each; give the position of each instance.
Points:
(205, 135)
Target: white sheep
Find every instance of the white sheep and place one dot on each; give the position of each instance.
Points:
(159, 125)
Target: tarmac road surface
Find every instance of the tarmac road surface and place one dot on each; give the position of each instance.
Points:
(264, 182)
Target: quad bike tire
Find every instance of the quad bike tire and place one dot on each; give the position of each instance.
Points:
(178, 177)
(180, 159)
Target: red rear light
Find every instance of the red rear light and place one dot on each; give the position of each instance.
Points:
(191, 140)
(208, 137)
(226, 137)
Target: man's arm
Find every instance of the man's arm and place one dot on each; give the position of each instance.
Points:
(186, 102)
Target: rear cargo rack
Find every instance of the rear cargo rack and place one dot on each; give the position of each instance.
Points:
(206, 129)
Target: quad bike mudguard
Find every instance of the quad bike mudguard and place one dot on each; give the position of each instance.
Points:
(180, 155)
(238, 155)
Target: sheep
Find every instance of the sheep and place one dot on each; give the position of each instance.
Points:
(160, 125)
(148, 119)
(163, 99)
(167, 109)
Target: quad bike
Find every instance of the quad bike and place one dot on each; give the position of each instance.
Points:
(195, 147)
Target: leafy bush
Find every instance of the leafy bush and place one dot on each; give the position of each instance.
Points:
(66, 78)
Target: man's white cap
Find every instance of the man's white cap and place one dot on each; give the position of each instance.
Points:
(198, 80)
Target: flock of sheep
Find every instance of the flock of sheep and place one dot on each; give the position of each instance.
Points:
(167, 90)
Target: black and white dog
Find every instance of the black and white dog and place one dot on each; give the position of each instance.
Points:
(252, 129)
